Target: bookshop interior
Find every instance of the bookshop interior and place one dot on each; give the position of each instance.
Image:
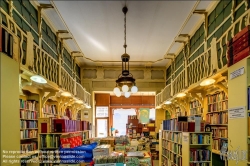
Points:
(115, 83)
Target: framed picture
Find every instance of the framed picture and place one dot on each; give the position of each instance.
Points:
(86, 114)
(208, 128)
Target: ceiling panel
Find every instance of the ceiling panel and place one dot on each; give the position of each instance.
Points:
(98, 27)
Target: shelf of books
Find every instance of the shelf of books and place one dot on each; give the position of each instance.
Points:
(198, 148)
(171, 148)
(28, 128)
(195, 108)
(198, 144)
(217, 117)
(49, 110)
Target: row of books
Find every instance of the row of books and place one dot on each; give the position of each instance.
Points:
(219, 106)
(28, 147)
(28, 104)
(216, 97)
(194, 104)
(199, 164)
(49, 141)
(175, 137)
(49, 124)
(200, 154)
(176, 148)
(197, 110)
(28, 134)
(217, 118)
(24, 114)
(49, 109)
(28, 124)
(219, 132)
(169, 158)
(174, 125)
(200, 139)
(219, 143)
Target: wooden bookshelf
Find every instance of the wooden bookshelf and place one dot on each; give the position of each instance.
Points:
(177, 147)
(195, 108)
(194, 144)
(217, 117)
(29, 112)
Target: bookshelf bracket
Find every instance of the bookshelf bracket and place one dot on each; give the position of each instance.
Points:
(46, 96)
(194, 95)
(222, 87)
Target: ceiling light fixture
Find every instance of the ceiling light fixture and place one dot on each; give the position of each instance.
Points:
(38, 79)
(168, 102)
(207, 81)
(125, 79)
(66, 94)
(181, 94)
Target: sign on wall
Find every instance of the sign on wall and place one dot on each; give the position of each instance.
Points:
(144, 115)
(237, 112)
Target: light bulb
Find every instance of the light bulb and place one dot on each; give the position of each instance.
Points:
(134, 89)
(118, 94)
(116, 90)
(127, 94)
(125, 88)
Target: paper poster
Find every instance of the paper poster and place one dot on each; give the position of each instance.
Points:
(144, 115)
(237, 112)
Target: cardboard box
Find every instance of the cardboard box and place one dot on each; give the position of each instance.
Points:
(110, 141)
(102, 150)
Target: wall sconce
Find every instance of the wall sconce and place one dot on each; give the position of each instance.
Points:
(168, 102)
(207, 82)
(38, 79)
(181, 94)
(66, 94)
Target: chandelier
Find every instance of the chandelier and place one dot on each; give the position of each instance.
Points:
(125, 79)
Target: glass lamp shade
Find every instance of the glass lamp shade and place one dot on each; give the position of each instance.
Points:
(125, 88)
(116, 90)
(207, 81)
(38, 79)
(118, 94)
(168, 102)
(66, 94)
(134, 89)
(127, 94)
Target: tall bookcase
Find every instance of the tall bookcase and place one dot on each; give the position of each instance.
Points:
(217, 117)
(29, 112)
(197, 148)
(171, 148)
(186, 148)
(238, 101)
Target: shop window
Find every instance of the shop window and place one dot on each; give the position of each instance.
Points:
(102, 112)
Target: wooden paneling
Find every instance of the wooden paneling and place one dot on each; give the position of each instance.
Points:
(148, 100)
(132, 100)
(102, 99)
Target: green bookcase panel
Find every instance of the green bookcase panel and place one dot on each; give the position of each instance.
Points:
(239, 12)
(18, 6)
(4, 19)
(4, 5)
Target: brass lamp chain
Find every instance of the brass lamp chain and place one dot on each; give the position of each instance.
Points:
(125, 44)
